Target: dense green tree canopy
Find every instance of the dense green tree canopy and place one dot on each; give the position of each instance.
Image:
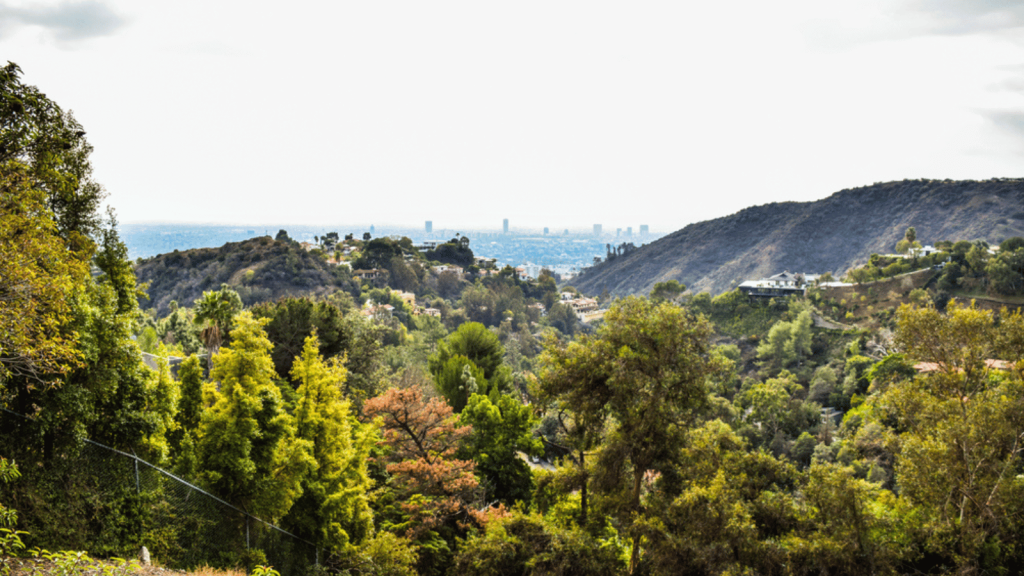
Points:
(502, 429)
(248, 449)
(333, 508)
(482, 347)
(293, 320)
(647, 369)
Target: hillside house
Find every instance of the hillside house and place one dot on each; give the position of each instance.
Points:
(485, 263)
(447, 268)
(372, 310)
(408, 297)
(784, 284)
(366, 274)
(583, 306)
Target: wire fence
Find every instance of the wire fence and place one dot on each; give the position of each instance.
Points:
(111, 503)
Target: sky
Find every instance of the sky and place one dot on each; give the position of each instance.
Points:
(548, 113)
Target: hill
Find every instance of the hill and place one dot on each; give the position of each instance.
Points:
(828, 235)
(260, 269)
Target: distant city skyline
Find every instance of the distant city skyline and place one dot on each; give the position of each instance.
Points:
(422, 228)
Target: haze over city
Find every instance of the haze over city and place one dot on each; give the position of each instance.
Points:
(550, 114)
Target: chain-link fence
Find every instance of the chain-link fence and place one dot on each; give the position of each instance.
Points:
(111, 503)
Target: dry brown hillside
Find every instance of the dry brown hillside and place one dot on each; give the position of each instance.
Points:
(829, 235)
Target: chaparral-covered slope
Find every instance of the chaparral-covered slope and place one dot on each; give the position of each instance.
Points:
(828, 235)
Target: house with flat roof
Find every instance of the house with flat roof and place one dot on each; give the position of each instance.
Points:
(783, 284)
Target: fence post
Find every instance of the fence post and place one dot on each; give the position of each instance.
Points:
(246, 531)
(135, 459)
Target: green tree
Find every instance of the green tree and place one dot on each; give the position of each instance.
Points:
(650, 364)
(458, 379)
(482, 347)
(669, 290)
(452, 253)
(527, 544)
(378, 253)
(162, 399)
(190, 407)
(106, 398)
(65, 329)
(179, 329)
(977, 257)
(787, 342)
(249, 454)
(722, 509)
(215, 310)
(333, 507)
(481, 305)
(40, 276)
(850, 526)
(37, 133)
(501, 431)
(188, 417)
(769, 402)
(562, 318)
(962, 425)
(293, 320)
(1006, 269)
(402, 275)
(383, 555)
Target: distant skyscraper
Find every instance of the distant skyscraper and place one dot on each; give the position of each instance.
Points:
(504, 225)
(372, 231)
(644, 230)
(618, 232)
(629, 231)
(597, 229)
(430, 226)
(545, 230)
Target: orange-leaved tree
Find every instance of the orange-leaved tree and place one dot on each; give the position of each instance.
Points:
(422, 437)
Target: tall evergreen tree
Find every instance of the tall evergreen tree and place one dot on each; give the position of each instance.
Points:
(248, 451)
(333, 508)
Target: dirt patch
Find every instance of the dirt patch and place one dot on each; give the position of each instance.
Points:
(820, 322)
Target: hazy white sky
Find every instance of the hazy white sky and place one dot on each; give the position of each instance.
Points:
(549, 113)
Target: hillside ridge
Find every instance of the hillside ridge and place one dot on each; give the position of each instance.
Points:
(260, 269)
(828, 235)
